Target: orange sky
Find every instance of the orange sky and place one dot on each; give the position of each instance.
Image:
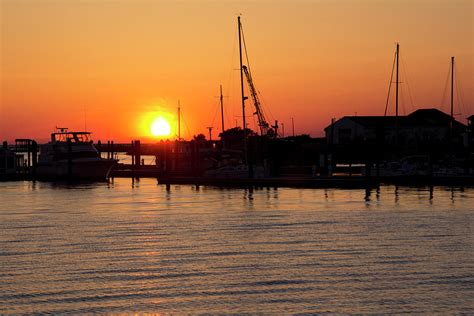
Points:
(113, 63)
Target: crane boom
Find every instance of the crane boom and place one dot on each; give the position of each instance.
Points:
(262, 122)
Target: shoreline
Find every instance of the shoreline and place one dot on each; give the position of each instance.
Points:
(342, 182)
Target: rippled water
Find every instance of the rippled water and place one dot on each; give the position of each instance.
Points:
(136, 247)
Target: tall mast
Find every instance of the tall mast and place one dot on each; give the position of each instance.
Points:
(452, 96)
(222, 110)
(396, 83)
(244, 124)
(179, 121)
(293, 126)
(396, 96)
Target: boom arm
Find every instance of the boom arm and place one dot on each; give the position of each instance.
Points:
(262, 122)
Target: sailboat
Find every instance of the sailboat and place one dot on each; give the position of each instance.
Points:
(245, 169)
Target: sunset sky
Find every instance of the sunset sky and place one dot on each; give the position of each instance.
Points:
(115, 65)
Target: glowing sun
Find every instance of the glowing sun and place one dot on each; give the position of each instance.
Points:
(160, 127)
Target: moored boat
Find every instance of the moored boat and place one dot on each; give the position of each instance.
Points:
(72, 155)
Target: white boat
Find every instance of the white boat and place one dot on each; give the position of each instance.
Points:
(72, 155)
(409, 166)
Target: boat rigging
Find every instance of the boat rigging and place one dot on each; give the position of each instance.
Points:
(265, 128)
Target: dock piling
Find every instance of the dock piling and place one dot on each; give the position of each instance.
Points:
(34, 154)
(136, 152)
(69, 158)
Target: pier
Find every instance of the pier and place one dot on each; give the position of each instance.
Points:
(357, 152)
(190, 162)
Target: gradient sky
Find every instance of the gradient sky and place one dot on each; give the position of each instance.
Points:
(113, 64)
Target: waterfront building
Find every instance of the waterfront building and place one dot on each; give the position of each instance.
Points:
(424, 126)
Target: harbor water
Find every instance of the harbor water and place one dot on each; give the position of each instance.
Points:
(134, 246)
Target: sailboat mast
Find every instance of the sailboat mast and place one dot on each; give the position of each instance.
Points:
(452, 95)
(179, 121)
(293, 126)
(244, 124)
(222, 110)
(396, 95)
(396, 82)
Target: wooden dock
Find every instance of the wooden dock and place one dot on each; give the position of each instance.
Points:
(342, 182)
(293, 182)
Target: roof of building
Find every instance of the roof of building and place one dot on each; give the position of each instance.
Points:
(431, 117)
(421, 117)
(376, 120)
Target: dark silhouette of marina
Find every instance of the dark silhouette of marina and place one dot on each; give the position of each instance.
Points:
(357, 151)
(426, 146)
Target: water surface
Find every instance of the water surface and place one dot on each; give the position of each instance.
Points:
(136, 247)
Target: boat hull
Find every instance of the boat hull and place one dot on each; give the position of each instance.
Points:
(79, 169)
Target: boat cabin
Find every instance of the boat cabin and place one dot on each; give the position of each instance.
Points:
(74, 137)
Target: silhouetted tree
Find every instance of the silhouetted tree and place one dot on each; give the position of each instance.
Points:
(199, 138)
(235, 136)
(236, 132)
